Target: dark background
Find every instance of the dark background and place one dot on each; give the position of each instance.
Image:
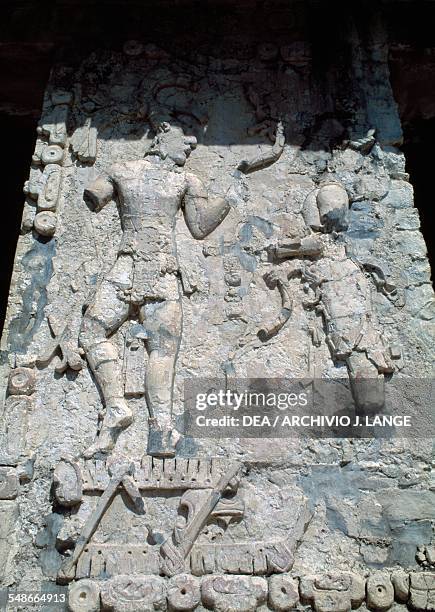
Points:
(35, 33)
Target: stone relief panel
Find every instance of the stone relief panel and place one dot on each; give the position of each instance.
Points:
(197, 216)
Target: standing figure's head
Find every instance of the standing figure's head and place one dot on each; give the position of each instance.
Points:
(326, 208)
(170, 142)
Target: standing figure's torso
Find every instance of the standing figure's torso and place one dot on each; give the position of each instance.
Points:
(149, 196)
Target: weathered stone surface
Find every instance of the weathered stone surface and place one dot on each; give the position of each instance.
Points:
(400, 580)
(67, 481)
(426, 555)
(21, 381)
(9, 514)
(50, 559)
(408, 505)
(228, 211)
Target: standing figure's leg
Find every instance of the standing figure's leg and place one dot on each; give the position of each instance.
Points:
(366, 383)
(163, 324)
(104, 316)
(366, 366)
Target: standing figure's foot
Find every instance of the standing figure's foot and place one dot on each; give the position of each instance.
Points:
(118, 416)
(103, 444)
(162, 442)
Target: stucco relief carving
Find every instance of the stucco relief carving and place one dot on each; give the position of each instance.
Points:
(44, 184)
(229, 251)
(328, 592)
(338, 290)
(210, 497)
(145, 278)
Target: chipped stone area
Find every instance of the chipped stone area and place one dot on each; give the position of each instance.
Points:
(216, 215)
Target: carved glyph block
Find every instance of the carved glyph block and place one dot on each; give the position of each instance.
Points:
(52, 154)
(134, 594)
(15, 423)
(234, 593)
(333, 592)
(49, 194)
(422, 587)
(21, 381)
(400, 581)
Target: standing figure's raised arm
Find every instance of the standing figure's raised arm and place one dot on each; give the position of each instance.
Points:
(203, 213)
(99, 193)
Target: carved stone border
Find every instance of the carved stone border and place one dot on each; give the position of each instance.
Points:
(329, 592)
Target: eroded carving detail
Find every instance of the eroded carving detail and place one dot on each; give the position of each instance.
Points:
(183, 592)
(49, 192)
(15, 457)
(224, 593)
(9, 483)
(120, 472)
(205, 478)
(84, 596)
(422, 591)
(200, 506)
(283, 592)
(131, 594)
(400, 581)
(62, 347)
(68, 485)
(210, 495)
(380, 592)
(45, 223)
(255, 336)
(340, 293)
(135, 362)
(84, 142)
(14, 423)
(44, 183)
(263, 557)
(149, 474)
(262, 160)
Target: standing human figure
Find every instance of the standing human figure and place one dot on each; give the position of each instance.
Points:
(144, 280)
